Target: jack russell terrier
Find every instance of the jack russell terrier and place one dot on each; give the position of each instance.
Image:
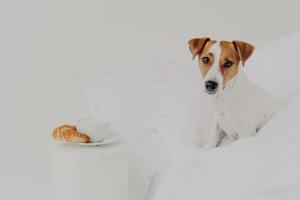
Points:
(241, 108)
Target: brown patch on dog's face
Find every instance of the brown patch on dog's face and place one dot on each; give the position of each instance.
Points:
(229, 61)
(204, 67)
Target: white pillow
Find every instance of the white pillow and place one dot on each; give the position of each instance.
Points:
(125, 98)
(183, 111)
(276, 67)
(161, 96)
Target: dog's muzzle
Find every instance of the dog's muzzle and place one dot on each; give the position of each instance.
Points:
(211, 86)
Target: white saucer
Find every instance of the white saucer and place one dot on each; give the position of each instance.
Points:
(109, 139)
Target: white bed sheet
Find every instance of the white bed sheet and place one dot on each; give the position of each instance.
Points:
(259, 168)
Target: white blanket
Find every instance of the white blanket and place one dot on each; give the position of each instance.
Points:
(263, 167)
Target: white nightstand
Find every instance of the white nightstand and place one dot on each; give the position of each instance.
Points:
(90, 173)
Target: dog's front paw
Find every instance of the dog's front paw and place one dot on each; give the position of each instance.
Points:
(209, 146)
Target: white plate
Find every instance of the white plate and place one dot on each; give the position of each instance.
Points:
(109, 139)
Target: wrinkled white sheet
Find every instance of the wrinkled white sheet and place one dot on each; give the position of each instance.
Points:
(263, 167)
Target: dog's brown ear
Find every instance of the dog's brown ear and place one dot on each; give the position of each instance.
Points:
(244, 50)
(196, 45)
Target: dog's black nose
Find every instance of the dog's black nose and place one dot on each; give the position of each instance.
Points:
(211, 86)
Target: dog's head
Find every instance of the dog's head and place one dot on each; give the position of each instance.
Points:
(219, 61)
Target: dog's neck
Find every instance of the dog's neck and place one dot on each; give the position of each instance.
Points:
(231, 92)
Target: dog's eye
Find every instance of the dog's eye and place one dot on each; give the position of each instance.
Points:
(205, 60)
(228, 64)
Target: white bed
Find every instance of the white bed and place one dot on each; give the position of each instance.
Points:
(263, 167)
(161, 112)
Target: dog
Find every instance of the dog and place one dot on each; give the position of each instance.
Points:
(241, 108)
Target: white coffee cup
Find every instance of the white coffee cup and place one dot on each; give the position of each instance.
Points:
(94, 129)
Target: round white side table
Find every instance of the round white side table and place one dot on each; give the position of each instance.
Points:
(90, 173)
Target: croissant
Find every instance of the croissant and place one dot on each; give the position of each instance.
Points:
(69, 134)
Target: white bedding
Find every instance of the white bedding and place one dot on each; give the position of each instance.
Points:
(263, 167)
(160, 112)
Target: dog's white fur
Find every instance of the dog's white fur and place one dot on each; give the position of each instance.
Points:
(241, 108)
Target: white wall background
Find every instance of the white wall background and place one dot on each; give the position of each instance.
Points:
(46, 46)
